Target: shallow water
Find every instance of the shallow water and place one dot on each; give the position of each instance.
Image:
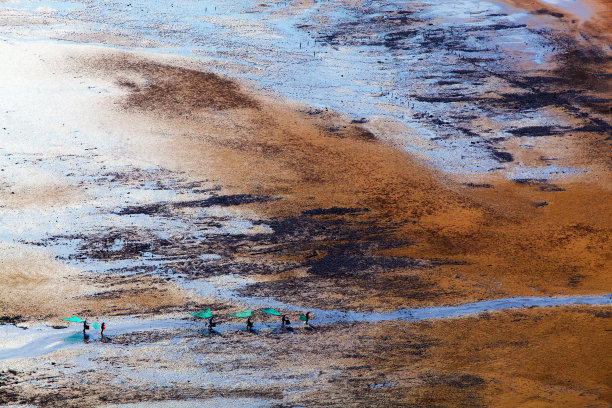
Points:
(392, 59)
(578, 8)
(208, 403)
(39, 340)
(359, 60)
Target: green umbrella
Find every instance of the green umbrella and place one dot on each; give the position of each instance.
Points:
(204, 314)
(96, 326)
(244, 313)
(303, 318)
(74, 319)
(271, 311)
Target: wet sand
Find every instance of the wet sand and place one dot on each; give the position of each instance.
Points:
(178, 189)
(345, 206)
(591, 16)
(536, 357)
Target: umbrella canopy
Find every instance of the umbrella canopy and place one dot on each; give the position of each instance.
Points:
(204, 314)
(96, 326)
(270, 311)
(74, 319)
(303, 317)
(244, 313)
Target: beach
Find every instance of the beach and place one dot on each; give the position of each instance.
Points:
(436, 189)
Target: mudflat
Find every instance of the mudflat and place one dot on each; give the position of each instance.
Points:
(137, 187)
(537, 357)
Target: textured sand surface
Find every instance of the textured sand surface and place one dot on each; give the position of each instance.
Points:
(139, 185)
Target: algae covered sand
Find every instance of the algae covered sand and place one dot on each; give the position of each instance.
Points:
(151, 174)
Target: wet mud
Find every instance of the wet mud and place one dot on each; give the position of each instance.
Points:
(200, 191)
(473, 81)
(452, 362)
(335, 214)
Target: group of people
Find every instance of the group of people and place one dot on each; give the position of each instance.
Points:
(86, 327)
(285, 323)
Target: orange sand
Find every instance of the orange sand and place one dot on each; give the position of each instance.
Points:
(504, 244)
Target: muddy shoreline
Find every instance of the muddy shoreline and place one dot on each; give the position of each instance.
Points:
(147, 186)
(445, 362)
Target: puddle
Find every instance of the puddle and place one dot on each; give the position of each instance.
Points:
(578, 8)
(41, 339)
(543, 173)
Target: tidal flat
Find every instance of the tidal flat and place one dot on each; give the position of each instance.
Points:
(435, 186)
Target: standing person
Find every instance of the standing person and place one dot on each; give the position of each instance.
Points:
(307, 318)
(211, 324)
(286, 324)
(102, 329)
(249, 324)
(85, 326)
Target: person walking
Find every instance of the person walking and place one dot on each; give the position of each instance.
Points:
(211, 324)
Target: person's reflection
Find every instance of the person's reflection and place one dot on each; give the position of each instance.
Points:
(85, 337)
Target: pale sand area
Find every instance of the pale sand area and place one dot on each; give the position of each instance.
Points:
(542, 357)
(496, 239)
(462, 243)
(481, 243)
(52, 127)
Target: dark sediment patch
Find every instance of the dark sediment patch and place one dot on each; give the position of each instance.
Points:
(548, 12)
(352, 132)
(530, 181)
(448, 82)
(445, 99)
(454, 380)
(173, 90)
(502, 157)
(479, 185)
(533, 131)
(550, 188)
(595, 125)
(146, 337)
(12, 319)
(8, 386)
(463, 390)
(542, 184)
(350, 259)
(496, 27)
(350, 292)
(534, 99)
(334, 211)
(221, 201)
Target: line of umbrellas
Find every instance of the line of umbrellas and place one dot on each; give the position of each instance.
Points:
(207, 314)
(95, 325)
